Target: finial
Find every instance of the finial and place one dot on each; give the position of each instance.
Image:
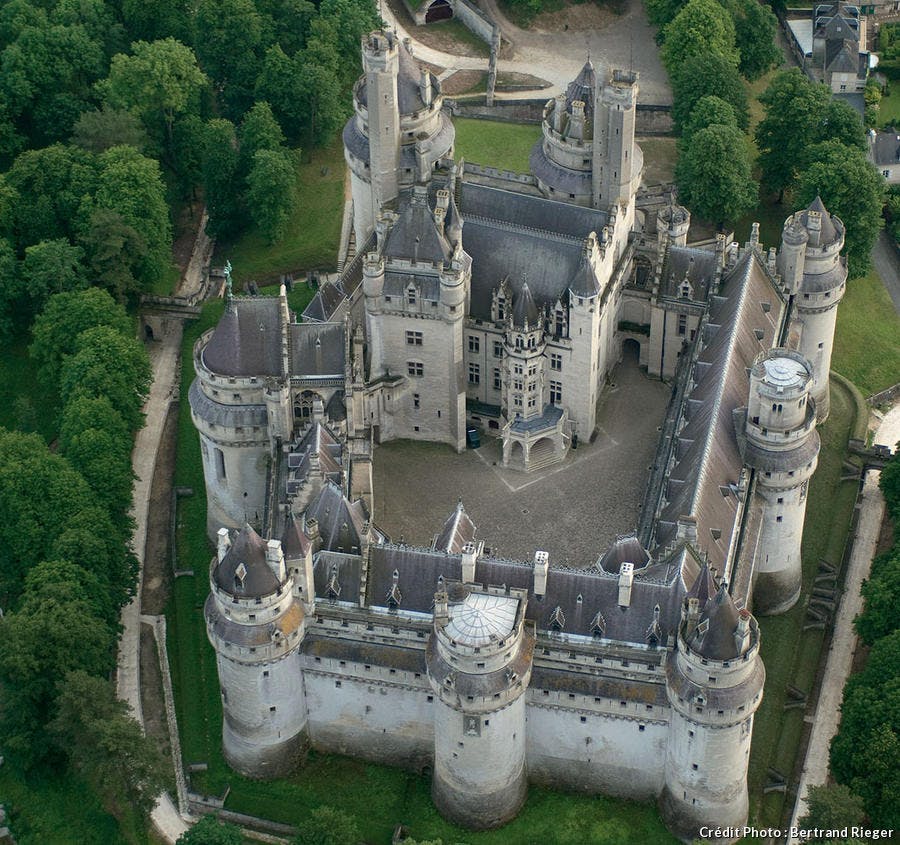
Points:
(229, 294)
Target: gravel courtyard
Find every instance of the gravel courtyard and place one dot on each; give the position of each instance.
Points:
(572, 510)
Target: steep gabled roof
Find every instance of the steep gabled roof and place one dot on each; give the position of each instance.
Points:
(457, 531)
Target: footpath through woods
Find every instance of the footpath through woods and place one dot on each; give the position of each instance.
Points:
(844, 640)
(164, 357)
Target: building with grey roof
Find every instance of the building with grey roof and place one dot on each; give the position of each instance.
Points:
(476, 305)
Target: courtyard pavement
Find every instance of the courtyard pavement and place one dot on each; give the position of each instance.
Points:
(572, 510)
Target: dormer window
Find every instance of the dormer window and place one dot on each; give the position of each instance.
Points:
(685, 290)
(411, 295)
(501, 307)
(240, 575)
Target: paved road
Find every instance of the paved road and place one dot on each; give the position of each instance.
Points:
(164, 355)
(843, 643)
(884, 257)
(558, 56)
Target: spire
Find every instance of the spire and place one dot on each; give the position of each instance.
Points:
(525, 311)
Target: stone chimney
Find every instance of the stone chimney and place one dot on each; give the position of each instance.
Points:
(742, 631)
(693, 616)
(576, 122)
(559, 112)
(814, 227)
(541, 569)
(312, 531)
(275, 559)
(686, 529)
(441, 609)
(223, 543)
(626, 579)
(425, 87)
(469, 557)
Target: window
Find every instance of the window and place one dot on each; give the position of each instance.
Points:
(474, 344)
(498, 383)
(531, 402)
(414, 338)
(498, 349)
(517, 369)
(555, 392)
(886, 174)
(501, 307)
(416, 400)
(415, 368)
(474, 374)
(518, 384)
(555, 361)
(682, 324)
(411, 296)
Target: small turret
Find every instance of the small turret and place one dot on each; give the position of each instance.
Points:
(714, 682)
(255, 622)
(782, 445)
(479, 660)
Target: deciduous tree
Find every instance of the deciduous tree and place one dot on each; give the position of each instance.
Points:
(99, 129)
(210, 831)
(709, 76)
(51, 267)
(328, 826)
(707, 112)
(701, 28)
(714, 174)
(272, 192)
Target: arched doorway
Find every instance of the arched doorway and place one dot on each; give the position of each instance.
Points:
(439, 10)
(631, 351)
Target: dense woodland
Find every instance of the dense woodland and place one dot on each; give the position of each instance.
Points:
(115, 115)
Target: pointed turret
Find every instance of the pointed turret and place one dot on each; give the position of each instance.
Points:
(525, 312)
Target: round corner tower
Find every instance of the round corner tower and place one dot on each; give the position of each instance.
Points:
(782, 446)
(398, 132)
(675, 222)
(255, 622)
(714, 683)
(815, 276)
(479, 659)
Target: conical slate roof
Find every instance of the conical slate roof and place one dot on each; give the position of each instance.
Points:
(829, 233)
(704, 587)
(584, 282)
(294, 542)
(243, 572)
(625, 549)
(721, 615)
(583, 87)
(415, 236)
(457, 531)
(525, 311)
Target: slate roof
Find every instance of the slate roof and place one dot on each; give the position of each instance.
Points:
(428, 286)
(415, 235)
(327, 300)
(721, 615)
(248, 549)
(886, 148)
(842, 56)
(317, 349)
(562, 179)
(698, 266)
(343, 570)
(624, 549)
(294, 543)
(230, 416)
(829, 231)
(584, 282)
(247, 339)
(583, 87)
(340, 521)
(525, 312)
(457, 531)
(409, 95)
(578, 593)
(530, 212)
(707, 459)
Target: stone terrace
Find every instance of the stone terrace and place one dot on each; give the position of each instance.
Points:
(572, 510)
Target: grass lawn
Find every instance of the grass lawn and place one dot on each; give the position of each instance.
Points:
(25, 406)
(495, 144)
(378, 797)
(312, 234)
(867, 340)
(46, 811)
(889, 112)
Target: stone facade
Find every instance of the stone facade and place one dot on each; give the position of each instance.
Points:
(474, 301)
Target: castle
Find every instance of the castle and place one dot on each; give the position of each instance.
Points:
(501, 301)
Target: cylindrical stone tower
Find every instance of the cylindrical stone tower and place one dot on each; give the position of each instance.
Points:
(714, 683)
(479, 659)
(815, 275)
(782, 446)
(675, 221)
(255, 622)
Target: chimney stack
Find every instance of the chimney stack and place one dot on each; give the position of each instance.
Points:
(626, 579)
(223, 543)
(541, 569)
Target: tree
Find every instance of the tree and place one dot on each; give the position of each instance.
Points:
(210, 831)
(229, 45)
(116, 253)
(51, 185)
(98, 21)
(259, 131)
(51, 267)
(107, 364)
(220, 179)
(10, 290)
(159, 19)
(794, 111)
(338, 28)
(832, 807)
(272, 192)
(327, 826)
(881, 592)
(707, 112)
(852, 190)
(160, 80)
(99, 129)
(64, 318)
(40, 493)
(701, 28)
(756, 36)
(286, 22)
(107, 746)
(321, 101)
(840, 122)
(890, 485)
(714, 174)
(709, 76)
(36, 651)
(661, 12)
